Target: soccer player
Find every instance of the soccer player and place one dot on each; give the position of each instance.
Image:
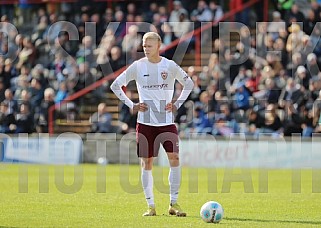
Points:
(155, 78)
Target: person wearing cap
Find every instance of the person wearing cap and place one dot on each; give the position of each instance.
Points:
(176, 12)
(302, 77)
(276, 24)
(155, 77)
(313, 64)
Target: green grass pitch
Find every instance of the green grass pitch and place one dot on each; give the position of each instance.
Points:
(111, 196)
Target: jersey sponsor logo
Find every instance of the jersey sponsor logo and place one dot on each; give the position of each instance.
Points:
(164, 75)
(161, 86)
(146, 75)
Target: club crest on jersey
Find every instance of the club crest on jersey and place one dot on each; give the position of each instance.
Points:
(164, 75)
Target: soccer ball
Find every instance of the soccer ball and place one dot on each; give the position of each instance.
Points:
(212, 212)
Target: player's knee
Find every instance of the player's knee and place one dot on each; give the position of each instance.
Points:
(173, 159)
(173, 156)
(147, 163)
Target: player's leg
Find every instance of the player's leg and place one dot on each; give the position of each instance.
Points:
(174, 176)
(145, 149)
(147, 182)
(169, 139)
(174, 179)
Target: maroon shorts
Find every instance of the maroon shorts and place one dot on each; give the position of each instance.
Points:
(149, 138)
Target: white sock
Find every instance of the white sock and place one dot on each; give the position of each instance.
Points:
(174, 179)
(147, 182)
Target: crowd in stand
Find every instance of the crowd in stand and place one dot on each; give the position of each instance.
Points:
(274, 91)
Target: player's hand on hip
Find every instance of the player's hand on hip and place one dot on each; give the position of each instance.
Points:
(140, 107)
(170, 107)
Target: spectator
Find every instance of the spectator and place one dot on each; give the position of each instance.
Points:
(284, 7)
(81, 25)
(279, 45)
(40, 29)
(103, 51)
(23, 84)
(242, 97)
(225, 123)
(101, 120)
(272, 122)
(310, 22)
(7, 118)
(302, 77)
(10, 101)
(293, 122)
(131, 9)
(107, 18)
(117, 59)
(176, 12)
(216, 9)
(36, 93)
(255, 122)
(316, 10)
(131, 43)
(41, 117)
(291, 94)
(163, 14)
(168, 37)
(149, 14)
(85, 77)
(28, 53)
(195, 94)
(2, 91)
(8, 72)
(95, 18)
(62, 93)
(86, 51)
(312, 64)
(241, 16)
(260, 40)
(272, 92)
(307, 121)
(121, 28)
(276, 24)
(294, 15)
(24, 120)
(200, 123)
(24, 99)
(203, 12)
(183, 25)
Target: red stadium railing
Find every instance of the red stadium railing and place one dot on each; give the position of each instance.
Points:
(195, 33)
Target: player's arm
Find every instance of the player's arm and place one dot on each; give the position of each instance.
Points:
(188, 85)
(122, 80)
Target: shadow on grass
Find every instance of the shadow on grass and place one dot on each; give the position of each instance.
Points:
(271, 220)
(174, 216)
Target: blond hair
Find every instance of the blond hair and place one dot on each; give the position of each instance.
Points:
(152, 35)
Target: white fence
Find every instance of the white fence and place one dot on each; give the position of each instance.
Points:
(248, 154)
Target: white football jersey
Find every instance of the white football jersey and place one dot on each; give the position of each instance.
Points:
(155, 85)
